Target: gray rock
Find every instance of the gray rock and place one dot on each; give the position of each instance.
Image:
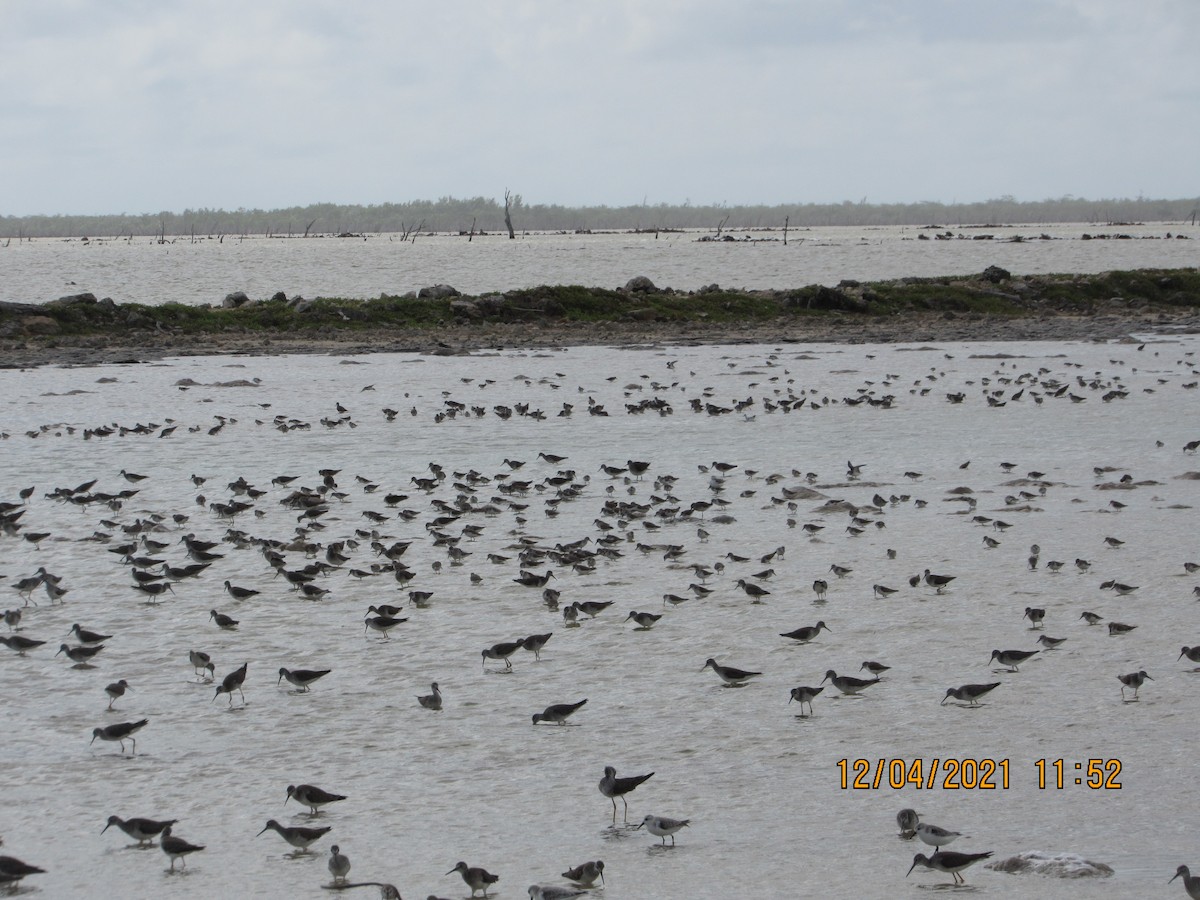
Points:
(234, 300)
(640, 283)
(465, 309)
(73, 300)
(437, 292)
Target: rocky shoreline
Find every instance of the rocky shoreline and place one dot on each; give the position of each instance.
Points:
(1035, 309)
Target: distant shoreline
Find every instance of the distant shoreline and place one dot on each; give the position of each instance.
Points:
(993, 306)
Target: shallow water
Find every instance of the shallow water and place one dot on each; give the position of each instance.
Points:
(204, 271)
(478, 781)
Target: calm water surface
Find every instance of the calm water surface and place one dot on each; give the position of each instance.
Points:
(204, 271)
(477, 781)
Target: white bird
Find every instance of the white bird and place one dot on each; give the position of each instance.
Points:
(935, 836)
(660, 826)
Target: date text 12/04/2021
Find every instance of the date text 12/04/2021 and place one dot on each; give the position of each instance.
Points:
(974, 774)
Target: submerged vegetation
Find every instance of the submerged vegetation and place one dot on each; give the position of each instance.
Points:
(993, 293)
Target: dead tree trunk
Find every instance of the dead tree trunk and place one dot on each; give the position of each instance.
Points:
(471, 234)
(308, 226)
(507, 217)
(785, 225)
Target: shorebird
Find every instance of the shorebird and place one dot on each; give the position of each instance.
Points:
(535, 642)
(20, 643)
(176, 848)
(298, 837)
(382, 624)
(222, 620)
(1034, 615)
(233, 682)
(848, 684)
(728, 674)
(1191, 883)
(553, 892)
(587, 873)
(310, 796)
(839, 571)
(1049, 642)
(339, 864)
(875, 668)
(475, 877)
(141, 830)
(558, 713)
(661, 826)
(908, 820)
(1133, 680)
(970, 693)
(302, 678)
(806, 633)
(1012, 658)
(820, 586)
(593, 607)
(80, 655)
(613, 787)
(201, 663)
(431, 701)
(1120, 628)
(1192, 653)
(948, 861)
(883, 591)
(13, 870)
(88, 637)
(240, 593)
(503, 651)
(644, 620)
(938, 581)
(804, 695)
(936, 836)
(1091, 618)
(121, 732)
(116, 691)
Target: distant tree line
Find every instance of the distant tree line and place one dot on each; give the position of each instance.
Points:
(451, 214)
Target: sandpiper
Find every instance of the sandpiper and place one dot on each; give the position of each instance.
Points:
(503, 651)
(882, 591)
(940, 582)
(1012, 658)
(475, 877)
(1091, 618)
(1192, 653)
(141, 830)
(339, 864)
(302, 678)
(613, 787)
(558, 713)
(948, 861)
(535, 642)
(1191, 883)
(586, 873)
(88, 637)
(1133, 680)
(310, 796)
(233, 682)
(176, 848)
(80, 655)
(728, 674)
(644, 620)
(806, 633)
(820, 587)
(298, 837)
(753, 591)
(804, 694)
(847, 684)
(13, 870)
(121, 732)
(936, 836)
(20, 643)
(382, 624)
(1120, 628)
(116, 691)
(222, 620)
(593, 607)
(1050, 642)
(908, 819)
(201, 662)
(875, 668)
(661, 826)
(970, 693)
(1035, 616)
(240, 593)
(431, 701)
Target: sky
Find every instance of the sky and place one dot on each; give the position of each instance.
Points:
(140, 107)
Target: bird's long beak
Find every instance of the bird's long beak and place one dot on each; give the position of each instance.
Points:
(639, 825)
(943, 703)
(105, 828)
(910, 868)
(262, 830)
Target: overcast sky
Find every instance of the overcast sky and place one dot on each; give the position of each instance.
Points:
(120, 106)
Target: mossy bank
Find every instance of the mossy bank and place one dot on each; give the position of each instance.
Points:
(992, 305)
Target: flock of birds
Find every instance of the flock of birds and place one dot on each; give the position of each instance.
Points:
(451, 514)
